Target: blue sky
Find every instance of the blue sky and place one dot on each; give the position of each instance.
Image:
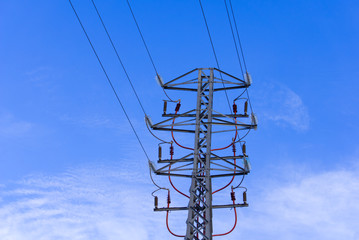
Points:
(72, 169)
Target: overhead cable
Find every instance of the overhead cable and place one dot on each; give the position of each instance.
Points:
(148, 51)
(123, 67)
(240, 46)
(239, 39)
(109, 80)
(214, 52)
(114, 91)
(118, 56)
(234, 39)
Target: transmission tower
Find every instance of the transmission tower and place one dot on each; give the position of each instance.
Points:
(202, 164)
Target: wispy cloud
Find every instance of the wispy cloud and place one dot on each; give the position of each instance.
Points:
(282, 105)
(313, 206)
(91, 121)
(41, 77)
(114, 202)
(88, 203)
(12, 127)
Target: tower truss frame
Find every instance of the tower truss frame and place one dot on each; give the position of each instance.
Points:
(202, 165)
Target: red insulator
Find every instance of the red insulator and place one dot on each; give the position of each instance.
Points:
(168, 198)
(245, 107)
(178, 106)
(245, 197)
(171, 150)
(234, 148)
(233, 196)
(235, 108)
(156, 202)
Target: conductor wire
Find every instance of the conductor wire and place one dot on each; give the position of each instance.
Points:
(214, 53)
(234, 161)
(167, 225)
(239, 39)
(169, 178)
(163, 141)
(234, 39)
(114, 91)
(153, 181)
(235, 223)
(118, 56)
(240, 46)
(123, 67)
(144, 43)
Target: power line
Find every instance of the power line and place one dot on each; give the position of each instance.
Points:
(241, 48)
(123, 67)
(118, 56)
(109, 81)
(118, 99)
(148, 51)
(239, 39)
(143, 39)
(214, 52)
(234, 39)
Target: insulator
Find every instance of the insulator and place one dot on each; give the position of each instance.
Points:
(159, 80)
(168, 198)
(171, 150)
(247, 164)
(156, 202)
(233, 196)
(248, 79)
(245, 197)
(244, 149)
(164, 107)
(245, 107)
(233, 147)
(235, 108)
(254, 121)
(178, 106)
(148, 120)
(159, 152)
(150, 164)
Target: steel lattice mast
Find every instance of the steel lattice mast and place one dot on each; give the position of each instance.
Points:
(203, 164)
(200, 204)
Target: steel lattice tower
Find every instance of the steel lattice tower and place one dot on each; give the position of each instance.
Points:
(202, 165)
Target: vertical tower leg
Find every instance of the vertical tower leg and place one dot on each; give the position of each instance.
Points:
(199, 221)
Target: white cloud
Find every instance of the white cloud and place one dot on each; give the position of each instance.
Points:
(114, 202)
(314, 206)
(88, 203)
(282, 105)
(93, 121)
(11, 127)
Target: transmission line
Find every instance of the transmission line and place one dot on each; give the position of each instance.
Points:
(214, 53)
(148, 51)
(118, 57)
(234, 39)
(239, 39)
(240, 46)
(109, 81)
(117, 97)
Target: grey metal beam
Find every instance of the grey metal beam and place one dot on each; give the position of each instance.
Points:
(191, 159)
(237, 205)
(213, 115)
